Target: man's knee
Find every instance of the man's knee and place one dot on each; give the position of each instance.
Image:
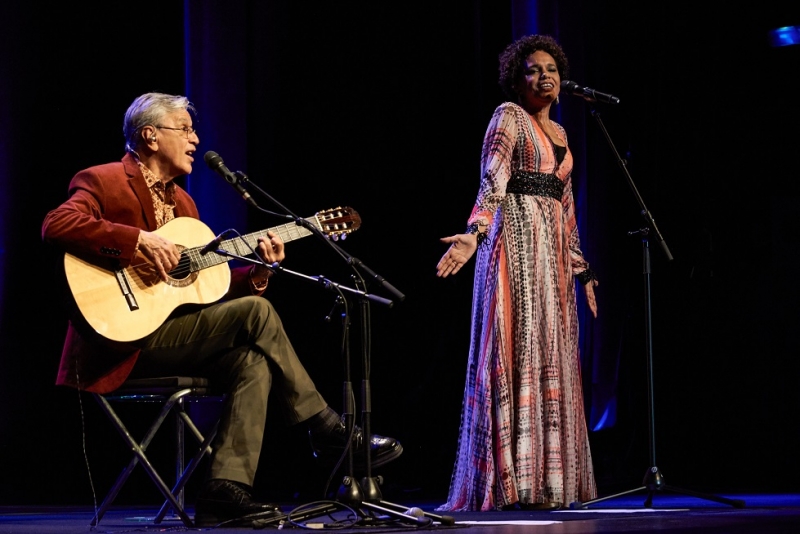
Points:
(261, 318)
(256, 312)
(256, 305)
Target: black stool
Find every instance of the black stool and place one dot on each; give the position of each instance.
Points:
(172, 393)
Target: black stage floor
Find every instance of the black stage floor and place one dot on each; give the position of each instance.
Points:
(670, 513)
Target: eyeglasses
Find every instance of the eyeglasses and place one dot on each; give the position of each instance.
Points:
(186, 129)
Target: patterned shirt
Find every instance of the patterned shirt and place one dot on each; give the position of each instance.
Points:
(163, 196)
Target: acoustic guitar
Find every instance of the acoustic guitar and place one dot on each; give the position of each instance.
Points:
(130, 303)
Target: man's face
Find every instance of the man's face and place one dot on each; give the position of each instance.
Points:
(177, 142)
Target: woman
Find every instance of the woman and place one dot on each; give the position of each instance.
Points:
(523, 440)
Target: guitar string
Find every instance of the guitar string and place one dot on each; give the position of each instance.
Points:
(194, 256)
(287, 232)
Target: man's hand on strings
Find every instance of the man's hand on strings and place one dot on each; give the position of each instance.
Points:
(271, 250)
(162, 253)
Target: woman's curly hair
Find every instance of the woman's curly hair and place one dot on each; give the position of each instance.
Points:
(512, 60)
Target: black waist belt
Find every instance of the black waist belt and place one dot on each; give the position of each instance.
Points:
(536, 184)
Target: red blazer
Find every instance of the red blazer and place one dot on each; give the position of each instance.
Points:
(100, 222)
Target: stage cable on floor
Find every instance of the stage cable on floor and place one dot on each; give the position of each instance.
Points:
(83, 445)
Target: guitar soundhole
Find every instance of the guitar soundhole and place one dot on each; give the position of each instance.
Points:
(182, 275)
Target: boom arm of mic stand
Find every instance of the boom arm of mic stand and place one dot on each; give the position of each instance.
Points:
(243, 179)
(645, 212)
(353, 262)
(381, 281)
(333, 286)
(326, 283)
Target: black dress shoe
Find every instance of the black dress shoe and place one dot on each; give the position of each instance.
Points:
(221, 501)
(327, 446)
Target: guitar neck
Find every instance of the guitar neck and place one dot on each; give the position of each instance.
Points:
(244, 245)
(287, 232)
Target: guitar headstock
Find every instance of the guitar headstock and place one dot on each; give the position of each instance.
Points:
(338, 222)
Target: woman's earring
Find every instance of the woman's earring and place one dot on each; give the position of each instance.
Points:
(556, 99)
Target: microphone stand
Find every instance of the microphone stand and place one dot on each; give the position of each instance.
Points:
(325, 282)
(300, 221)
(351, 491)
(653, 479)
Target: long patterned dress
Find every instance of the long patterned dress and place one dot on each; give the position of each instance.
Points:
(523, 435)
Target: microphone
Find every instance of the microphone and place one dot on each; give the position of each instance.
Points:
(421, 515)
(214, 243)
(215, 163)
(588, 94)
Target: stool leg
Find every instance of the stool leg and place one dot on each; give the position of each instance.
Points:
(138, 450)
(205, 448)
(179, 415)
(179, 446)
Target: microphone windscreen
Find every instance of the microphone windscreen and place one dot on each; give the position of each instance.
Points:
(568, 85)
(212, 159)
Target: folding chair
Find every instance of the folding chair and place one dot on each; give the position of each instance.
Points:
(172, 393)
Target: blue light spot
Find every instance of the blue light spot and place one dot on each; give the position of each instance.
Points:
(785, 36)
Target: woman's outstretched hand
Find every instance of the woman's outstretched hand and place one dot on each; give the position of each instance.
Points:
(462, 247)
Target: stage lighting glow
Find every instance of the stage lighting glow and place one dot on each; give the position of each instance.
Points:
(785, 36)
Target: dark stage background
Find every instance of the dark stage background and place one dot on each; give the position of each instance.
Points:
(382, 107)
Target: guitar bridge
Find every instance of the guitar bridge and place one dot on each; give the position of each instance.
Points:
(125, 287)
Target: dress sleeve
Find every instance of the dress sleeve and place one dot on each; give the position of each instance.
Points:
(496, 156)
(578, 262)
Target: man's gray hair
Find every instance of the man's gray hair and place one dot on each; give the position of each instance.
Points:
(148, 110)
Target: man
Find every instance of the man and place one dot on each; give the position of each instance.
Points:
(110, 220)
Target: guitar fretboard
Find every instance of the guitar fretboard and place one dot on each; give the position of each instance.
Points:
(246, 244)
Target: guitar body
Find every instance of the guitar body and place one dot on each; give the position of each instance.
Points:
(109, 312)
(131, 303)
